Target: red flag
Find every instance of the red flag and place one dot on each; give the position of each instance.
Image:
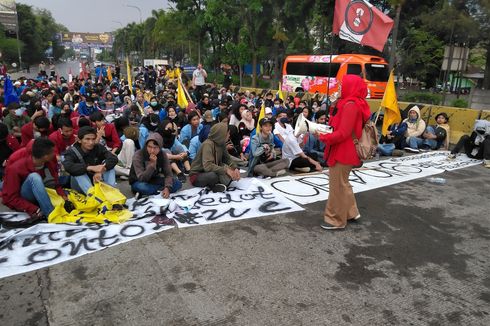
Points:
(360, 22)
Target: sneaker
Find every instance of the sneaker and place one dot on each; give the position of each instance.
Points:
(486, 163)
(411, 150)
(425, 150)
(451, 156)
(182, 178)
(302, 170)
(219, 187)
(356, 218)
(328, 226)
(397, 152)
(186, 173)
(280, 172)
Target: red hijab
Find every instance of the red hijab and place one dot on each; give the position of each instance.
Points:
(355, 89)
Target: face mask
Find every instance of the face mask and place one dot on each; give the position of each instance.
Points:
(37, 134)
(154, 103)
(19, 112)
(284, 120)
(315, 106)
(277, 106)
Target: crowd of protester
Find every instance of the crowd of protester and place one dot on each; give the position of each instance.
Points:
(71, 134)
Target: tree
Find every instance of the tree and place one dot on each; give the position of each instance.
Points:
(422, 56)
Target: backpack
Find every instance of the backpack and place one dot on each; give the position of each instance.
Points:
(367, 144)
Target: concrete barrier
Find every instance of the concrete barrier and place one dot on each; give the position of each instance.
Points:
(461, 121)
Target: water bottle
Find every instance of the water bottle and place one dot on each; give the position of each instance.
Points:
(437, 180)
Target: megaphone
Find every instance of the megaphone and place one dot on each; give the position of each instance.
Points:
(304, 126)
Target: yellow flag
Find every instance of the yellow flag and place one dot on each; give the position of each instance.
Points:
(130, 84)
(390, 104)
(109, 73)
(261, 115)
(181, 99)
(279, 92)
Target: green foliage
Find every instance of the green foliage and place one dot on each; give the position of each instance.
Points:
(422, 97)
(105, 55)
(38, 32)
(423, 54)
(459, 103)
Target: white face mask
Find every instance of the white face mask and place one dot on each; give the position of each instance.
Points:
(37, 134)
(19, 112)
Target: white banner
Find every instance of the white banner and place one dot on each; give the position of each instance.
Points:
(24, 250)
(310, 188)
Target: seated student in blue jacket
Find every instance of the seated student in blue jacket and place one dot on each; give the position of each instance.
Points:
(314, 148)
(191, 129)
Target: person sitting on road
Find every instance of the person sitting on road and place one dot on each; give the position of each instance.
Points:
(150, 170)
(39, 127)
(314, 148)
(26, 179)
(477, 145)
(106, 132)
(177, 153)
(263, 159)
(213, 166)
(89, 162)
(415, 128)
(63, 137)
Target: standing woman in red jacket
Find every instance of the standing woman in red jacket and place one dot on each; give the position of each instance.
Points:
(347, 120)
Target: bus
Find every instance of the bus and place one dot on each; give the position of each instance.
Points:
(322, 73)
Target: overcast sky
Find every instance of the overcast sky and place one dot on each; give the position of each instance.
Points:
(97, 16)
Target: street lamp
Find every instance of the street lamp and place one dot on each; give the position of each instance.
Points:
(138, 8)
(118, 22)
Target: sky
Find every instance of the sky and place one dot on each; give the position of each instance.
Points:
(97, 16)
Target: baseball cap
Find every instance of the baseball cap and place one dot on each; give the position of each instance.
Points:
(263, 121)
(268, 110)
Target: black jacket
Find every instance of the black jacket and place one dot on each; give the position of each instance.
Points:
(98, 155)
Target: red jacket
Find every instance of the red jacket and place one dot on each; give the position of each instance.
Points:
(27, 133)
(60, 143)
(15, 174)
(111, 137)
(340, 145)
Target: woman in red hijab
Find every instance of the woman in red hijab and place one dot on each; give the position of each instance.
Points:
(347, 120)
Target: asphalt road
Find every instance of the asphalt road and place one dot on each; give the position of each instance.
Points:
(419, 256)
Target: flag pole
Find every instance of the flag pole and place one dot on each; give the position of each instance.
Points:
(185, 90)
(329, 68)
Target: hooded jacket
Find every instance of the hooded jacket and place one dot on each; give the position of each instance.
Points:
(417, 128)
(213, 156)
(142, 171)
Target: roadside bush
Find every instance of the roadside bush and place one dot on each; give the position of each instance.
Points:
(422, 97)
(459, 103)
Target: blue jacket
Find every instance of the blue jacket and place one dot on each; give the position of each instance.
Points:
(314, 145)
(186, 132)
(83, 109)
(194, 147)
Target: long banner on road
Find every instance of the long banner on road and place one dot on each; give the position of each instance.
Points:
(310, 188)
(23, 250)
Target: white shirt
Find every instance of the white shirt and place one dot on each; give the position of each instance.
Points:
(279, 130)
(290, 148)
(199, 77)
